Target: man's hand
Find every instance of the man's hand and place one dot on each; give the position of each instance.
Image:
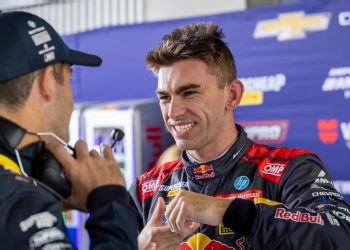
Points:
(156, 236)
(188, 209)
(88, 171)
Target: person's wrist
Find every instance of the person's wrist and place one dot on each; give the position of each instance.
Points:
(105, 194)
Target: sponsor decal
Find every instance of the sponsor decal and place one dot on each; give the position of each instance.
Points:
(201, 241)
(321, 180)
(255, 87)
(252, 98)
(272, 171)
(204, 172)
(344, 18)
(45, 236)
(41, 37)
(40, 220)
(224, 230)
(283, 214)
(267, 132)
(58, 245)
(241, 182)
(341, 215)
(173, 192)
(149, 186)
(342, 187)
(338, 80)
(70, 218)
(331, 194)
(344, 209)
(327, 130)
(345, 129)
(9, 164)
(246, 195)
(332, 219)
(179, 185)
(266, 201)
(292, 25)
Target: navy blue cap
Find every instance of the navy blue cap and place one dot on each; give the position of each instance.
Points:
(29, 43)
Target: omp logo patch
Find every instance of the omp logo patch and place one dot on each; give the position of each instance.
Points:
(327, 130)
(292, 25)
(267, 132)
(149, 186)
(272, 171)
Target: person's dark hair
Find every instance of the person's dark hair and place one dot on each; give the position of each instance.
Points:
(15, 92)
(195, 41)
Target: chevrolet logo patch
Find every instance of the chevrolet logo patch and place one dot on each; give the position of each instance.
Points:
(292, 25)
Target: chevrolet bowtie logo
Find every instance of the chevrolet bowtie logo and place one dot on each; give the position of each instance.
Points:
(292, 25)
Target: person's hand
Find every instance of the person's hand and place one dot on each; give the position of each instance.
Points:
(156, 236)
(88, 171)
(189, 208)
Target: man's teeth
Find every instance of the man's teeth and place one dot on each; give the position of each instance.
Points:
(185, 127)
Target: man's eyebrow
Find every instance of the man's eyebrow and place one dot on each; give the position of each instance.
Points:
(187, 87)
(179, 90)
(161, 92)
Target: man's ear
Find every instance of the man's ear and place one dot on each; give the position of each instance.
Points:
(47, 83)
(235, 91)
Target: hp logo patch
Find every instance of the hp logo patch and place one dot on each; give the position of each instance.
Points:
(241, 182)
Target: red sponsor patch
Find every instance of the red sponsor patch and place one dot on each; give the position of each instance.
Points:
(298, 216)
(328, 130)
(212, 245)
(272, 171)
(204, 172)
(246, 195)
(149, 187)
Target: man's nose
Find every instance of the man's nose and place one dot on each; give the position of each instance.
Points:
(176, 108)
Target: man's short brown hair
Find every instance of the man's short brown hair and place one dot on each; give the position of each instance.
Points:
(195, 41)
(15, 92)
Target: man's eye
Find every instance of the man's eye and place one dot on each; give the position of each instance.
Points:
(188, 93)
(164, 97)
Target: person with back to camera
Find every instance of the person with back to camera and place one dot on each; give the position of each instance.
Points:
(227, 192)
(36, 97)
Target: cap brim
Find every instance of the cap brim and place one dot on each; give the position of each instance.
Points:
(80, 58)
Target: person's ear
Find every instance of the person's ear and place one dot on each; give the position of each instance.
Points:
(47, 83)
(235, 91)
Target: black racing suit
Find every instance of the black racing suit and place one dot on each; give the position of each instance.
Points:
(31, 217)
(281, 198)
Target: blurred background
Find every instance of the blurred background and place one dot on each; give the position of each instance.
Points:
(291, 55)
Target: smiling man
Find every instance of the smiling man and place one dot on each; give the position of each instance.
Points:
(227, 192)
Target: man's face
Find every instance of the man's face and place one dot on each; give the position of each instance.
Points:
(192, 105)
(64, 107)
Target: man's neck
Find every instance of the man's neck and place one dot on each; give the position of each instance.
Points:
(201, 156)
(24, 121)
